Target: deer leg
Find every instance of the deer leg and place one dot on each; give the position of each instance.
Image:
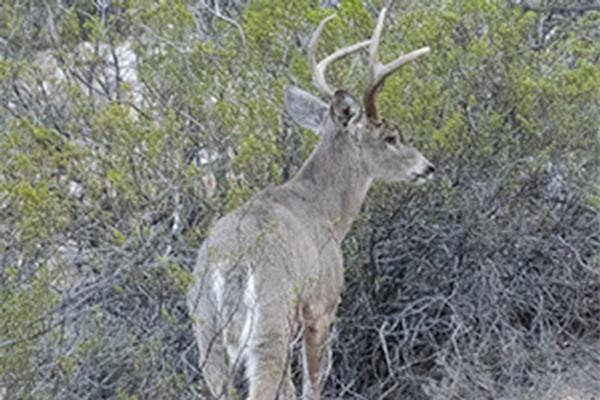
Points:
(213, 357)
(315, 351)
(216, 373)
(268, 363)
(269, 372)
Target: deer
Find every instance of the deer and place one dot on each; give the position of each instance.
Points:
(270, 273)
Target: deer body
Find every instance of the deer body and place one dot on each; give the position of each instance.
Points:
(273, 267)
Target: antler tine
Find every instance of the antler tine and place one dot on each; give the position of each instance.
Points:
(379, 72)
(318, 69)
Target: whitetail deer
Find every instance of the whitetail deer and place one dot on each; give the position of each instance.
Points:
(272, 268)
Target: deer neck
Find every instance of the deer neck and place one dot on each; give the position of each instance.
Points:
(335, 182)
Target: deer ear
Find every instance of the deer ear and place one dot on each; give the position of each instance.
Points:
(306, 109)
(344, 108)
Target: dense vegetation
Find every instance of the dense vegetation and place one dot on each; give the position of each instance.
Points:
(127, 126)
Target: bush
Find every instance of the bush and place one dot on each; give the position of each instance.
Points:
(127, 128)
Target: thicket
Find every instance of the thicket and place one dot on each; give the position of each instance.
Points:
(127, 126)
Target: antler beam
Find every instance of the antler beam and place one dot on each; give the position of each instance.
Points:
(318, 69)
(379, 72)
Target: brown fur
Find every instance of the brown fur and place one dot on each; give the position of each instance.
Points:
(273, 267)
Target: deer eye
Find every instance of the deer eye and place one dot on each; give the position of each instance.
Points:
(391, 140)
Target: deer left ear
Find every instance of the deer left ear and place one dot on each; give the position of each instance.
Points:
(344, 108)
(306, 109)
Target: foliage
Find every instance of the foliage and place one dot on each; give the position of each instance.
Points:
(128, 126)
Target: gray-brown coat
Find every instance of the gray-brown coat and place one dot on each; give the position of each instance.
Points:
(273, 268)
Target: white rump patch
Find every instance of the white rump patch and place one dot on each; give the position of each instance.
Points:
(250, 296)
(218, 286)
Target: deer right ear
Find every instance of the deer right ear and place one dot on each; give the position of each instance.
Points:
(306, 109)
(344, 108)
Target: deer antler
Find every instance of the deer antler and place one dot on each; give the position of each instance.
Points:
(318, 69)
(379, 72)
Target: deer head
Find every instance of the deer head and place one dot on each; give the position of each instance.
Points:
(379, 148)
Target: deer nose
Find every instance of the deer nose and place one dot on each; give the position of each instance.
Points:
(429, 169)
